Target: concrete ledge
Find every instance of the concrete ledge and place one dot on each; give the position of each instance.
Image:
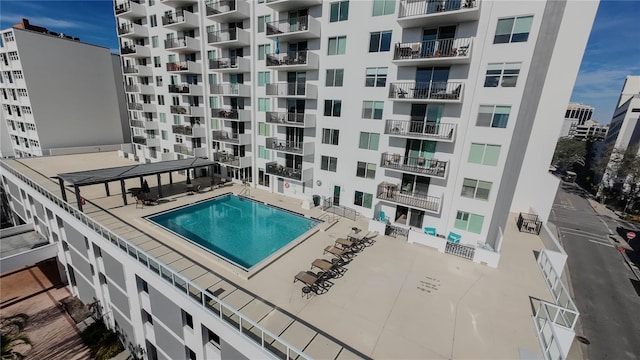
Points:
(488, 257)
(427, 240)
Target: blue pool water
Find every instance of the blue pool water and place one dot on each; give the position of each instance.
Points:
(241, 230)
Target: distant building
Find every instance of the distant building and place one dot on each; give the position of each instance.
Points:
(576, 114)
(72, 97)
(589, 131)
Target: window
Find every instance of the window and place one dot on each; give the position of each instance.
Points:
(8, 36)
(508, 72)
(484, 154)
(154, 41)
(332, 108)
(493, 116)
(339, 11)
(476, 189)
(263, 153)
(330, 136)
(380, 41)
(469, 222)
(363, 199)
(513, 30)
(366, 170)
(369, 141)
(263, 129)
(18, 74)
(187, 318)
(328, 163)
(376, 77)
(263, 104)
(159, 80)
(334, 77)
(160, 99)
(262, 21)
(264, 77)
(213, 338)
(263, 50)
(383, 7)
(22, 92)
(153, 21)
(176, 120)
(165, 134)
(190, 354)
(337, 45)
(13, 55)
(372, 109)
(146, 317)
(163, 117)
(156, 61)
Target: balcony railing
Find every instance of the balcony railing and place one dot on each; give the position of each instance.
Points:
(287, 118)
(231, 89)
(223, 63)
(417, 165)
(298, 23)
(177, 42)
(288, 58)
(182, 130)
(433, 90)
(179, 89)
(432, 49)
(134, 106)
(222, 35)
(227, 159)
(218, 7)
(422, 7)
(180, 110)
(284, 145)
(179, 66)
(121, 8)
(175, 17)
(128, 49)
(145, 141)
(225, 113)
(274, 168)
(230, 137)
(286, 89)
(404, 195)
(131, 88)
(421, 128)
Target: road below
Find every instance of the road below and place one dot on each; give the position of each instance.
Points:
(606, 291)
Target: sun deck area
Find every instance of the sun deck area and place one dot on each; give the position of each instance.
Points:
(394, 299)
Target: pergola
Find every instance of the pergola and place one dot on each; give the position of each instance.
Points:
(122, 173)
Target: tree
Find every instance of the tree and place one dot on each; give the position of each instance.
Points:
(621, 175)
(569, 151)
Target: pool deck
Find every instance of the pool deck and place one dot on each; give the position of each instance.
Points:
(395, 300)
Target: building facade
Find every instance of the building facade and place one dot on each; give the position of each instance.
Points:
(589, 131)
(47, 101)
(576, 114)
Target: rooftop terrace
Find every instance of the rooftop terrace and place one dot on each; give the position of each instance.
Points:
(395, 300)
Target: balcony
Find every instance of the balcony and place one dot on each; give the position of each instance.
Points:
(131, 88)
(415, 13)
(133, 31)
(292, 90)
(177, 3)
(232, 160)
(185, 44)
(294, 29)
(135, 51)
(190, 151)
(131, 9)
(180, 20)
(291, 119)
(273, 168)
(420, 166)
(230, 65)
(150, 142)
(231, 114)
(434, 52)
(139, 70)
(226, 11)
(134, 106)
(147, 125)
(413, 129)
(403, 195)
(185, 67)
(187, 110)
(186, 89)
(139, 88)
(285, 5)
(229, 38)
(442, 92)
(191, 131)
(294, 60)
(231, 90)
(290, 147)
(231, 137)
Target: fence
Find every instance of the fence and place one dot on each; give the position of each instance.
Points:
(345, 212)
(461, 250)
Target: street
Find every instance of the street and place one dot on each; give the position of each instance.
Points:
(605, 290)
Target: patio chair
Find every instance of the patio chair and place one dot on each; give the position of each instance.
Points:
(352, 245)
(329, 268)
(342, 255)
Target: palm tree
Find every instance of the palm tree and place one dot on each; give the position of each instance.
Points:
(11, 333)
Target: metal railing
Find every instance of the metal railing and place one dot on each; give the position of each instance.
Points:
(175, 17)
(424, 7)
(225, 136)
(223, 63)
(276, 169)
(395, 193)
(433, 90)
(228, 159)
(225, 113)
(286, 118)
(182, 130)
(125, 29)
(131, 88)
(178, 66)
(287, 58)
(294, 24)
(568, 315)
(545, 329)
(179, 89)
(125, 6)
(284, 145)
(222, 35)
(177, 42)
(287, 89)
(420, 165)
(192, 291)
(134, 106)
(458, 47)
(130, 69)
(214, 8)
(128, 49)
(180, 110)
(340, 210)
(420, 128)
(460, 250)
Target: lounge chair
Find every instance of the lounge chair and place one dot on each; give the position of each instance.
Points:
(345, 244)
(362, 239)
(314, 282)
(331, 269)
(343, 255)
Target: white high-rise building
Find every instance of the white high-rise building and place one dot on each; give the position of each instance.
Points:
(57, 92)
(576, 114)
(624, 130)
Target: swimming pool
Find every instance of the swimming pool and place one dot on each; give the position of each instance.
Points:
(241, 230)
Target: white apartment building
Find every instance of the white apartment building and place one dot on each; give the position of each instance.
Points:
(624, 130)
(576, 114)
(430, 113)
(590, 130)
(57, 92)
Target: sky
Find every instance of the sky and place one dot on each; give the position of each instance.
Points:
(612, 53)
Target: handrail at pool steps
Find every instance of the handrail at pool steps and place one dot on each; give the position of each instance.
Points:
(166, 273)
